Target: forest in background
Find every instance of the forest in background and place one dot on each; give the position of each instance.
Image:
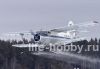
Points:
(13, 58)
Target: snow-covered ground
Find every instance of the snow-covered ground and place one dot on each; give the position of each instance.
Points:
(83, 61)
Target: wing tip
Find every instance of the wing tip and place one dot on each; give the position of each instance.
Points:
(95, 22)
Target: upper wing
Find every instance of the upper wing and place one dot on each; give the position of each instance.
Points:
(64, 29)
(59, 30)
(20, 33)
(75, 26)
(88, 24)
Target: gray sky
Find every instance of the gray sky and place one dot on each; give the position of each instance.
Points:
(23, 15)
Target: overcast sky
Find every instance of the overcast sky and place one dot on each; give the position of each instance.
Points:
(24, 15)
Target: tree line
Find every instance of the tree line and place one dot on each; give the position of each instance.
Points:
(10, 57)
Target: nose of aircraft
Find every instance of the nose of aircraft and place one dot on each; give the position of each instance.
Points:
(36, 37)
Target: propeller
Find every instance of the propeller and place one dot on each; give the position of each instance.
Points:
(35, 35)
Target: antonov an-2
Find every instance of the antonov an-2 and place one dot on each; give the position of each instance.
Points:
(59, 36)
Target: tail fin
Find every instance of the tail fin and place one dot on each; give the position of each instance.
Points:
(70, 23)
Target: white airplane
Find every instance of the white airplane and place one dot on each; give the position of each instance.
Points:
(70, 33)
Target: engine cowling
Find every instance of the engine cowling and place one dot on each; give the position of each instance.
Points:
(36, 37)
